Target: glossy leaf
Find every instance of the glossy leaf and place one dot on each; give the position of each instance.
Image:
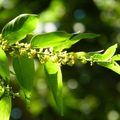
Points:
(107, 54)
(87, 55)
(114, 66)
(54, 79)
(74, 39)
(84, 36)
(116, 57)
(110, 52)
(24, 69)
(82, 54)
(19, 27)
(49, 39)
(4, 66)
(58, 40)
(98, 57)
(5, 108)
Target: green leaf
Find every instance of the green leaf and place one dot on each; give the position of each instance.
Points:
(87, 55)
(58, 40)
(74, 39)
(96, 52)
(114, 66)
(49, 39)
(19, 27)
(107, 54)
(84, 36)
(81, 54)
(5, 108)
(110, 52)
(116, 57)
(98, 57)
(24, 69)
(12, 72)
(54, 79)
(4, 66)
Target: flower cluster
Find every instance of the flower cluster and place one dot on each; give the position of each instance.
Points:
(65, 58)
(19, 49)
(4, 45)
(32, 53)
(62, 58)
(5, 90)
(43, 54)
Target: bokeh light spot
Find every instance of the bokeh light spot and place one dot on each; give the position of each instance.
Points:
(16, 113)
(41, 87)
(79, 14)
(38, 28)
(88, 104)
(60, 10)
(72, 84)
(79, 27)
(8, 4)
(49, 27)
(113, 115)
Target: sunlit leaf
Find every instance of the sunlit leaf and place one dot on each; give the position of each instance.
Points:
(83, 36)
(81, 54)
(49, 39)
(11, 72)
(95, 52)
(4, 66)
(74, 39)
(110, 52)
(58, 40)
(19, 27)
(98, 57)
(5, 108)
(24, 69)
(107, 54)
(54, 79)
(87, 55)
(114, 66)
(116, 57)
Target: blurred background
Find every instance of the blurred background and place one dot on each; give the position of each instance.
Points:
(89, 92)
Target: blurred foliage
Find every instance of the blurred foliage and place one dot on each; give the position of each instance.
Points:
(90, 93)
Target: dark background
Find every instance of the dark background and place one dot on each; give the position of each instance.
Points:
(89, 92)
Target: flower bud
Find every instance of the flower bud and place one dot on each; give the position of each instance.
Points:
(54, 58)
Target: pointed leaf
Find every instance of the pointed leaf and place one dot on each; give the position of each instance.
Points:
(54, 79)
(58, 40)
(19, 27)
(5, 108)
(49, 39)
(107, 54)
(24, 69)
(111, 65)
(84, 36)
(87, 55)
(74, 39)
(110, 52)
(4, 66)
